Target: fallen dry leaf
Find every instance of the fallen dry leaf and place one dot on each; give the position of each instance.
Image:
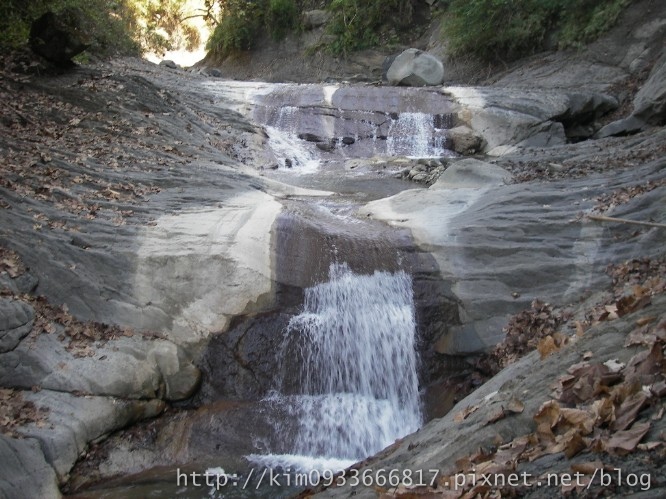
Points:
(628, 411)
(464, 414)
(546, 347)
(645, 320)
(614, 365)
(623, 442)
(516, 406)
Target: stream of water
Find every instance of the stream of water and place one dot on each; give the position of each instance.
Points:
(355, 338)
(359, 382)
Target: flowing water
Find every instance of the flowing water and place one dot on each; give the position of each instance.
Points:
(353, 344)
(356, 336)
(359, 384)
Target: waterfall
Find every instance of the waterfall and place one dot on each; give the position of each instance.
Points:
(359, 386)
(288, 150)
(414, 135)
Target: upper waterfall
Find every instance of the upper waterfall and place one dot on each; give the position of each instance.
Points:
(308, 124)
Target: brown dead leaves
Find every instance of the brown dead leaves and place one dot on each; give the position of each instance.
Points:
(608, 399)
(56, 152)
(16, 412)
(49, 319)
(635, 282)
(10, 263)
(81, 335)
(600, 407)
(530, 329)
(623, 195)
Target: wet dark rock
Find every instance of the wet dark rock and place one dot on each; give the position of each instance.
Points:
(348, 140)
(311, 137)
(58, 37)
(248, 361)
(167, 63)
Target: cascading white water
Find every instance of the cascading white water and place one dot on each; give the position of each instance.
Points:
(289, 151)
(359, 383)
(413, 134)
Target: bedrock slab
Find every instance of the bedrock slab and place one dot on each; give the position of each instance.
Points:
(509, 118)
(72, 421)
(503, 245)
(199, 267)
(25, 472)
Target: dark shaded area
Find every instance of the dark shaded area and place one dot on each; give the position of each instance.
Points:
(58, 37)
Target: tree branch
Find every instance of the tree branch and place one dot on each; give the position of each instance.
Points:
(602, 218)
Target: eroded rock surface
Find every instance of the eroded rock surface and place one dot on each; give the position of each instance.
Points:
(502, 245)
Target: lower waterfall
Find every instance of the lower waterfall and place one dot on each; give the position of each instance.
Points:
(358, 382)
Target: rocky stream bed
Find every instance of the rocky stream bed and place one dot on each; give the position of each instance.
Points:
(159, 235)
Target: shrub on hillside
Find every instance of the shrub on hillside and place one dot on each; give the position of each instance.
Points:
(109, 25)
(242, 23)
(359, 24)
(282, 17)
(508, 29)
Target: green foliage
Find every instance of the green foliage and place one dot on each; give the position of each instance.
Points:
(239, 27)
(508, 29)
(586, 20)
(242, 21)
(164, 26)
(281, 18)
(359, 24)
(110, 25)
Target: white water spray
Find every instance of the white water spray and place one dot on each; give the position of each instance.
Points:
(359, 380)
(414, 135)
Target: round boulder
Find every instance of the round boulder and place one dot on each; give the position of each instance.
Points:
(414, 68)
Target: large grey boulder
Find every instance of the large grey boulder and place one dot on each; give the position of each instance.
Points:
(16, 319)
(650, 101)
(507, 118)
(415, 68)
(464, 140)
